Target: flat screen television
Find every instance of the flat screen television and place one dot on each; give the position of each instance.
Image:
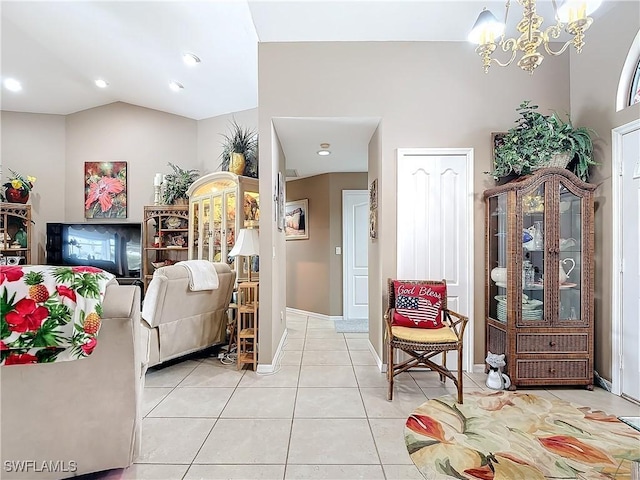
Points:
(113, 247)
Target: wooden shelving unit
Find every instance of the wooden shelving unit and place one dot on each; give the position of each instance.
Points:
(14, 218)
(539, 278)
(165, 236)
(247, 324)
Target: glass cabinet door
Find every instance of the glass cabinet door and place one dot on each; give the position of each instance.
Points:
(230, 226)
(534, 226)
(498, 257)
(194, 224)
(570, 259)
(205, 238)
(215, 254)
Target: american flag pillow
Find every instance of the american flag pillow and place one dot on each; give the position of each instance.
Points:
(418, 306)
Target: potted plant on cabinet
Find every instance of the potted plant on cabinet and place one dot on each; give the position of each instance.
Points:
(177, 183)
(539, 141)
(240, 151)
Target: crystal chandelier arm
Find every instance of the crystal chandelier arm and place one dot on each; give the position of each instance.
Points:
(509, 44)
(553, 32)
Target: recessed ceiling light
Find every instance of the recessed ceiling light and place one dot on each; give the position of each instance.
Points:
(100, 83)
(324, 150)
(175, 86)
(12, 85)
(190, 59)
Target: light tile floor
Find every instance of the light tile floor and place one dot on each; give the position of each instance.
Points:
(323, 415)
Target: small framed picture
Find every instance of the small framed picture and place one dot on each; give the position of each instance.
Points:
(296, 220)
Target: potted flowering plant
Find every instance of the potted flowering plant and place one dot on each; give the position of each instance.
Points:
(17, 189)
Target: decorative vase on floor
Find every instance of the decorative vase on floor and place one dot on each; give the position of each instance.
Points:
(237, 163)
(15, 195)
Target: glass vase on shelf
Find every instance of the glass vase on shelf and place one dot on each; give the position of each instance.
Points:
(538, 236)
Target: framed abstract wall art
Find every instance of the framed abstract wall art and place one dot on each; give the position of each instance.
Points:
(105, 189)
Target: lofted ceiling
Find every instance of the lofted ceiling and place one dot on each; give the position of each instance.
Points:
(58, 49)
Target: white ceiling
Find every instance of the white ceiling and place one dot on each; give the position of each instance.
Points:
(58, 49)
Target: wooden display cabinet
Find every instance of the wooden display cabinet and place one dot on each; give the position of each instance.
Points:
(15, 232)
(216, 215)
(539, 278)
(247, 343)
(165, 232)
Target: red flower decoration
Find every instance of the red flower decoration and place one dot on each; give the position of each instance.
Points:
(88, 347)
(64, 291)
(3, 346)
(572, 448)
(103, 191)
(11, 274)
(86, 270)
(20, 359)
(26, 316)
(426, 426)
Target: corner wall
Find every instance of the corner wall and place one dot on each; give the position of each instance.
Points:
(595, 74)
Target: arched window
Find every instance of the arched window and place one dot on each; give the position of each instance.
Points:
(634, 93)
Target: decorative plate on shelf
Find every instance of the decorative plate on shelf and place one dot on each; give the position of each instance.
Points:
(173, 222)
(564, 286)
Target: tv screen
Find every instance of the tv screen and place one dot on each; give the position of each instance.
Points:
(114, 247)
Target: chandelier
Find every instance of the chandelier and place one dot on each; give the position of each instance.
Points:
(573, 16)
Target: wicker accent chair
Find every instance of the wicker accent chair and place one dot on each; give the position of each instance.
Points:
(422, 344)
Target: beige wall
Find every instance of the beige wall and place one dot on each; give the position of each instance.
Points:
(314, 271)
(427, 94)
(146, 139)
(376, 280)
(210, 136)
(595, 74)
(34, 144)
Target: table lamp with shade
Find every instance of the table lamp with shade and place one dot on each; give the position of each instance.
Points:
(247, 245)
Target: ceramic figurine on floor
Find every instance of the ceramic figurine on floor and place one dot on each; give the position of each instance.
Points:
(496, 380)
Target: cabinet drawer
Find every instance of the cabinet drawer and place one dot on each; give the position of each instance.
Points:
(552, 369)
(558, 343)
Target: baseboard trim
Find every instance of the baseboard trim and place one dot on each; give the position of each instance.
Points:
(271, 367)
(381, 366)
(478, 368)
(319, 316)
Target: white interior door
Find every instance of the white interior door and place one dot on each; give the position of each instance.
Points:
(435, 226)
(630, 367)
(355, 231)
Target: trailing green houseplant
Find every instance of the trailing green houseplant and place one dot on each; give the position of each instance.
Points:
(243, 141)
(177, 183)
(536, 138)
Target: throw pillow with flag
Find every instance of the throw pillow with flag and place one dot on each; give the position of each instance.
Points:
(418, 305)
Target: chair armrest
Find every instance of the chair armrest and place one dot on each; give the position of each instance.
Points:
(458, 325)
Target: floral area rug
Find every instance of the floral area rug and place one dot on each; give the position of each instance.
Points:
(515, 435)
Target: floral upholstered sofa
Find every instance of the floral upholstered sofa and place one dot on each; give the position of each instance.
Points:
(70, 402)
